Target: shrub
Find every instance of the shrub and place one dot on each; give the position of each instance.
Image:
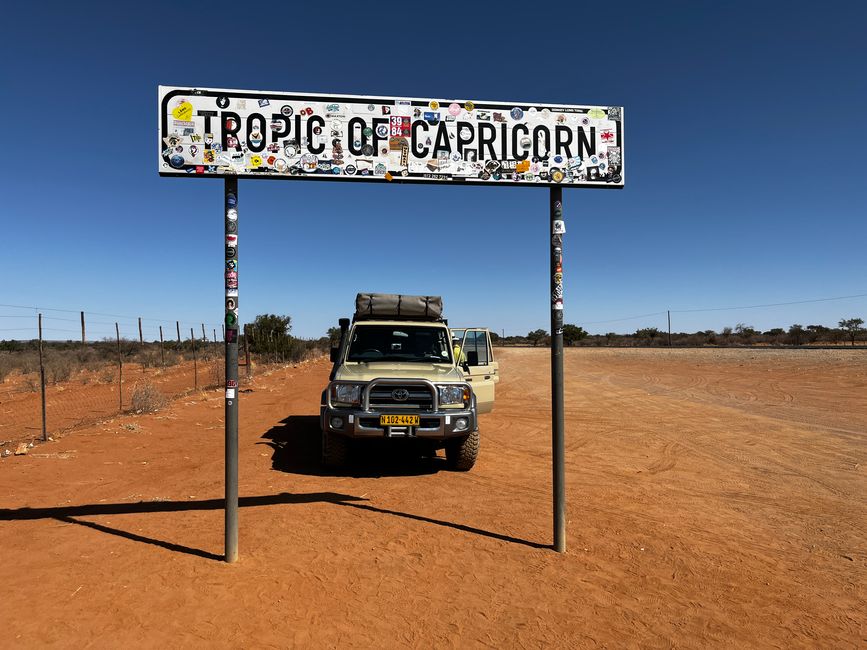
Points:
(58, 370)
(217, 375)
(5, 367)
(146, 398)
(148, 358)
(30, 383)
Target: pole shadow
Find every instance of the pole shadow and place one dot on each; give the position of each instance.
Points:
(296, 443)
(447, 524)
(69, 514)
(169, 546)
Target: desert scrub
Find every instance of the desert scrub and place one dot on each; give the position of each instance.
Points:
(146, 398)
(58, 370)
(6, 367)
(30, 383)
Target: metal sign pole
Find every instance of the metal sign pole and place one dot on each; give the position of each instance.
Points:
(558, 229)
(231, 310)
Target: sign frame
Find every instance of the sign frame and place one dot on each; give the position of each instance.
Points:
(273, 101)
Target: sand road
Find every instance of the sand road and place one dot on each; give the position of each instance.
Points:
(715, 498)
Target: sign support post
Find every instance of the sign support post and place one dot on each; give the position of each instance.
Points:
(231, 303)
(558, 229)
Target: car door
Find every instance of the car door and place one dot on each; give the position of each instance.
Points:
(483, 371)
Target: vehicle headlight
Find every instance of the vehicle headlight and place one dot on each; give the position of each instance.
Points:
(346, 393)
(453, 394)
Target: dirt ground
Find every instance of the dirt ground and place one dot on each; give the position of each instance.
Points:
(715, 498)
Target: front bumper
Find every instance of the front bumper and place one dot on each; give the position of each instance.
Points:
(362, 421)
(356, 423)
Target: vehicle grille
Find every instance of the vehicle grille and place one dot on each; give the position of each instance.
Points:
(419, 398)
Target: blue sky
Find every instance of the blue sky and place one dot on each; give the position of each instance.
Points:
(744, 152)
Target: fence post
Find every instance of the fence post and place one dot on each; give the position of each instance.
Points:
(119, 370)
(204, 336)
(195, 363)
(141, 346)
(42, 382)
(669, 328)
(83, 339)
(162, 351)
(247, 350)
(178, 325)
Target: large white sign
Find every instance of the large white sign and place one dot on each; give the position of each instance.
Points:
(255, 134)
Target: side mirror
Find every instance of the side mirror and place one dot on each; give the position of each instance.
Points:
(335, 354)
(473, 358)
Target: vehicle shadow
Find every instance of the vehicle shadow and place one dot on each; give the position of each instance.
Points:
(297, 449)
(297, 445)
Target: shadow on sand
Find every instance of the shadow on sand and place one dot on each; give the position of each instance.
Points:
(68, 514)
(297, 448)
(296, 444)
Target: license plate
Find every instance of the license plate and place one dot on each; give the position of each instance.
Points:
(399, 420)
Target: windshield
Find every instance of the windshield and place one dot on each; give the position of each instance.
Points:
(400, 343)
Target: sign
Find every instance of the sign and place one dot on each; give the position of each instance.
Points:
(217, 133)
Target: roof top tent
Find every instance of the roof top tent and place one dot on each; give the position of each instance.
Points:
(384, 306)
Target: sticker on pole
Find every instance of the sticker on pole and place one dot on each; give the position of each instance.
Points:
(208, 132)
(559, 227)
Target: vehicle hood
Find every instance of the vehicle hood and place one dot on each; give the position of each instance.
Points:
(390, 369)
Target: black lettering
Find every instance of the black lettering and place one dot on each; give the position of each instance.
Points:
(251, 119)
(562, 140)
(231, 126)
(311, 121)
(276, 134)
(442, 142)
(504, 141)
(356, 124)
(517, 153)
(487, 135)
(462, 141)
(543, 131)
(417, 152)
(586, 147)
(376, 137)
(207, 115)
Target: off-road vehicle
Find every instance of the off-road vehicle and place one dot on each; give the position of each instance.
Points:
(398, 373)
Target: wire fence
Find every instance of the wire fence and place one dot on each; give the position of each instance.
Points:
(48, 387)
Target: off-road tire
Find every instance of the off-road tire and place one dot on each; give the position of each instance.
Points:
(335, 450)
(461, 453)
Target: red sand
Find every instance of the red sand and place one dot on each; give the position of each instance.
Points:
(716, 498)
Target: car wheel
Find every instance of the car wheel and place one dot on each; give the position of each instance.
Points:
(335, 450)
(461, 453)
